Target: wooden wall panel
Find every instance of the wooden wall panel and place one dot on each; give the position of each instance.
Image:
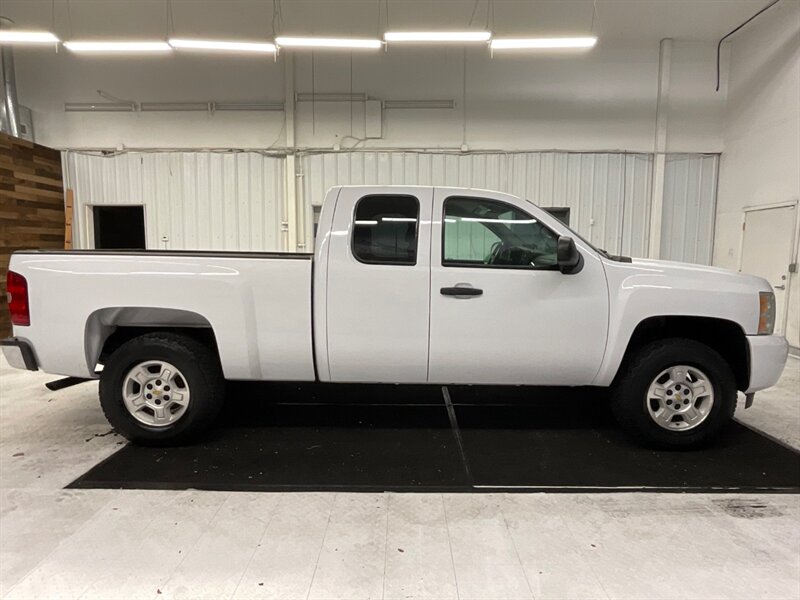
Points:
(31, 205)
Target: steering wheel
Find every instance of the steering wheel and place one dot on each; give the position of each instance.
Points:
(496, 250)
(508, 254)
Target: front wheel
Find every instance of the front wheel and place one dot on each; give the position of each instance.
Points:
(161, 389)
(674, 393)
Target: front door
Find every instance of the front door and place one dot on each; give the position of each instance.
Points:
(501, 311)
(767, 248)
(378, 286)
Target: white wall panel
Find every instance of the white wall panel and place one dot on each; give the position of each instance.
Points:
(199, 200)
(690, 194)
(607, 193)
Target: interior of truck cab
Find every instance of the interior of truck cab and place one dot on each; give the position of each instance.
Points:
(479, 232)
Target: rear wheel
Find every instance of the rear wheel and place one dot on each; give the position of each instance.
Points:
(674, 393)
(162, 389)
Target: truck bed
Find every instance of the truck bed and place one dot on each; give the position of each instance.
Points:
(258, 305)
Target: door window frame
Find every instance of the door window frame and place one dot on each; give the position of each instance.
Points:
(462, 265)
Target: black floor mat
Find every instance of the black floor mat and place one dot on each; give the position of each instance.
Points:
(378, 438)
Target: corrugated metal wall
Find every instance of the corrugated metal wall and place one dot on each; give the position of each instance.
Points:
(233, 200)
(607, 193)
(198, 200)
(690, 197)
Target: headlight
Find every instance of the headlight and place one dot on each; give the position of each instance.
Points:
(766, 314)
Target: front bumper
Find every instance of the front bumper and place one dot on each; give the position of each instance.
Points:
(768, 355)
(19, 354)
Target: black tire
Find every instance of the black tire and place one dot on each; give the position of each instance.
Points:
(198, 364)
(629, 392)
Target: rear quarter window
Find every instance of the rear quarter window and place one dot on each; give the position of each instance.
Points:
(385, 230)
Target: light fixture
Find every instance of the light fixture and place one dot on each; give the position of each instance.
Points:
(222, 46)
(131, 46)
(542, 43)
(437, 36)
(318, 42)
(27, 37)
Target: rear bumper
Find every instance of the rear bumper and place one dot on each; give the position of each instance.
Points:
(767, 358)
(19, 354)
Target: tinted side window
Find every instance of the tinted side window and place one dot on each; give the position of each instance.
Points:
(488, 233)
(385, 230)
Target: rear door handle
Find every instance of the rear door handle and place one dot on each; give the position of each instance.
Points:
(461, 291)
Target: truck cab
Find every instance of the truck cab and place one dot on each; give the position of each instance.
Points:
(447, 285)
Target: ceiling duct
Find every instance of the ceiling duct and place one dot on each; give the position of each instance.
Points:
(176, 107)
(360, 97)
(248, 105)
(208, 106)
(389, 104)
(9, 107)
(329, 97)
(99, 107)
(171, 106)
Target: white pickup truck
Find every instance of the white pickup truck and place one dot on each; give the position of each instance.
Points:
(406, 285)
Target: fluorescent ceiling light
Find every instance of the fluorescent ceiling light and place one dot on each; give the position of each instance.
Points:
(223, 46)
(315, 42)
(27, 37)
(118, 46)
(437, 36)
(543, 43)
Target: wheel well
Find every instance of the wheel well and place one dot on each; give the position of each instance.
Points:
(726, 337)
(204, 335)
(108, 329)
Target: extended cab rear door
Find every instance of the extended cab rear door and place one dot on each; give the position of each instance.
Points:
(501, 311)
(378, 285)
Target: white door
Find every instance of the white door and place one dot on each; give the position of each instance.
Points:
(767, 248)
(501, 311)
(378, 286)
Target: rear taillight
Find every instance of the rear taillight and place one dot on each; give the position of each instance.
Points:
(17, 289)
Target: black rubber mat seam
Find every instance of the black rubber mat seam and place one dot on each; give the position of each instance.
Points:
(451, 414)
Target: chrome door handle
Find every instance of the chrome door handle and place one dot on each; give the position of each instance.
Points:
(779, 287)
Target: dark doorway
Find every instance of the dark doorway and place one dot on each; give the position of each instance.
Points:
(119, 227)
(559, 212)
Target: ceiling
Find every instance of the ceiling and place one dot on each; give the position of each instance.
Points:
(252, 19)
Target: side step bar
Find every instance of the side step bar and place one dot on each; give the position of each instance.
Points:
(60, 384)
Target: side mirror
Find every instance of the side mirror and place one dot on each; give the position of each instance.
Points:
(569, 259)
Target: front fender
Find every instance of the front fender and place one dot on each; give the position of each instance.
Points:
(643, 290)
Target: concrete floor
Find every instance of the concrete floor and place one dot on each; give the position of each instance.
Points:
(57, 543)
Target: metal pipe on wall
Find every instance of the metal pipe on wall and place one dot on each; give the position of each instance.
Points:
(9, 107)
